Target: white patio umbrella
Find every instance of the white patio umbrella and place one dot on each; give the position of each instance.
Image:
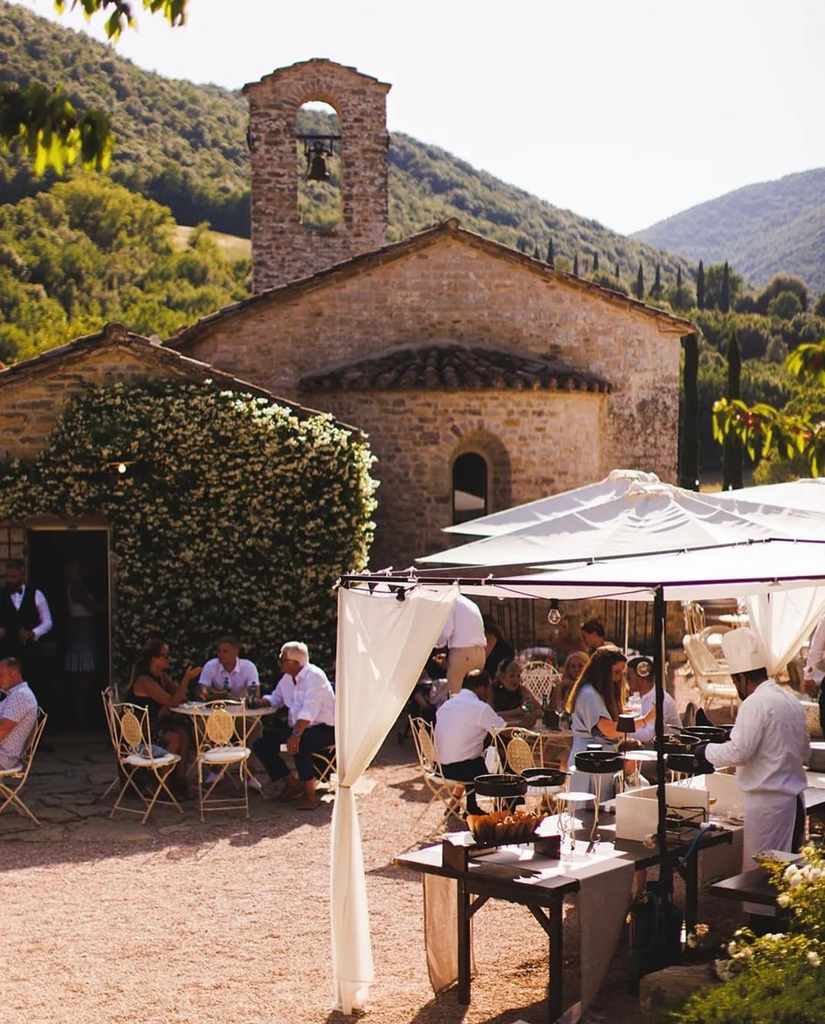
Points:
(614, 485)
(644, 517)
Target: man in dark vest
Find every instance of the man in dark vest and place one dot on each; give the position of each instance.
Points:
(24, 619)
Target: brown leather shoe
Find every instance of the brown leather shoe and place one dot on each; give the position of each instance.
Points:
(307, 804)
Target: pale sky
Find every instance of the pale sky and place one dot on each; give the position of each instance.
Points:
(625, 111)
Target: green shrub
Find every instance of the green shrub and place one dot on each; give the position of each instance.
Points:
(785, 306)
(778, 978)
(234, 515)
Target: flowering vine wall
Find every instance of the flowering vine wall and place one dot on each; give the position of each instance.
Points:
(233, 514)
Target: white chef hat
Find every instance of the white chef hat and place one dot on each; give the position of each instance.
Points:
(742, 650)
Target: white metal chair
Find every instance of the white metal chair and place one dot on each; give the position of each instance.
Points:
(540, 679)
(221, 744)
(13, 779)
(694, 617)
(712, 677)
(109, 698)
(448, 791)
(711, 636)
(133, 745)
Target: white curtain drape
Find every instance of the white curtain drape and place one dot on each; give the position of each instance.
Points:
(383, 644)
(783, 619)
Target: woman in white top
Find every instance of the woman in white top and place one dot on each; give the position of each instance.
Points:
(595, 703)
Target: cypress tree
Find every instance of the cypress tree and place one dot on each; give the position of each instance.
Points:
(618, 270)
(657, 283)
(595, 262)
(689, 437)
(536, 253)
(551, 256)
(700, 287)
(678, 279)
(724, 300)
(640, 283)
(576, 265)
(732, 452)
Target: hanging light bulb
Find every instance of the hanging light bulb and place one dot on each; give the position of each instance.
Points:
(554, 615)
(121, 468)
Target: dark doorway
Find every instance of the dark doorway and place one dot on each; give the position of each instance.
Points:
(76, 651)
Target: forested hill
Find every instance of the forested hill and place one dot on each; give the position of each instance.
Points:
(184, 146)
(764, 229)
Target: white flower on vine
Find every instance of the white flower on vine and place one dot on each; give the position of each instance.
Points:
(814, 959)
(783, 899)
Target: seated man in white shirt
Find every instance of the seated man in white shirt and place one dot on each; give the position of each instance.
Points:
(229, 674)
(640, 680)
(305, 692)
(233, 678)
(461, 726)
(18, 713)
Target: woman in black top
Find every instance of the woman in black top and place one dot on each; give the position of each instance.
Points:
(151, 687)
(510, 695)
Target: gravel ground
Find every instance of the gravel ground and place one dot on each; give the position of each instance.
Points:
(179, 922)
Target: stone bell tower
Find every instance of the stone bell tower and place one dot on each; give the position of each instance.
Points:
(283, 249)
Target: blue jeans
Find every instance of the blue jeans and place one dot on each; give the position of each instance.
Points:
(268, 750)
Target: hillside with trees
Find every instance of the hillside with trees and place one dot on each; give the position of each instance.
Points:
(184, 146)
(764, 229)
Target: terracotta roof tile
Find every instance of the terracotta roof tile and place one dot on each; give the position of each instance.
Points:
(452, 368)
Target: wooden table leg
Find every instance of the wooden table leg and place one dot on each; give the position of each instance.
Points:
(555, 999)
(463, 918)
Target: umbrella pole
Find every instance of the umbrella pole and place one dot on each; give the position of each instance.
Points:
(666, 869)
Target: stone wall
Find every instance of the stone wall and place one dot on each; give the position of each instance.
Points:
(451, 289)
(31, 405)
(282, 248)
(534, 443)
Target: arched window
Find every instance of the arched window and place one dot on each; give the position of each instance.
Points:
(469, 487)
(319, 167)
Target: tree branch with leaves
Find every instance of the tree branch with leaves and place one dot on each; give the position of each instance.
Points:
(762, 429)
(46, 125)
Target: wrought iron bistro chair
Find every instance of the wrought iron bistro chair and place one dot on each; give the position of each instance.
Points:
(13, 779)
(135, 751)
(326, 767)
(540, 678)
(448, 791)
(109, 698)
(221, 744)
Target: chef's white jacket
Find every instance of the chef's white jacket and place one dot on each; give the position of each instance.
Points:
(768, 743)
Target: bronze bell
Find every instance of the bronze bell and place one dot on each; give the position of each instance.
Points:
(318, 166)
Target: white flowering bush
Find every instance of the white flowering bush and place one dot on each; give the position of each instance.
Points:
(234, 515)
(777, 978)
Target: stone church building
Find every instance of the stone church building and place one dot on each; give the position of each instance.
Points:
(483, 377)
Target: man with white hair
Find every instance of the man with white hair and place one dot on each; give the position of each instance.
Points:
(768, 744)
(305, 692)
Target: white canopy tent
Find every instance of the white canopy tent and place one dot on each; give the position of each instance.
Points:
(805, 495)
(381, 651)
(614, 485)
(644, 517)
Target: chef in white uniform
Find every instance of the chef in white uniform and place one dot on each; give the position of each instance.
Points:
(768, 744)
